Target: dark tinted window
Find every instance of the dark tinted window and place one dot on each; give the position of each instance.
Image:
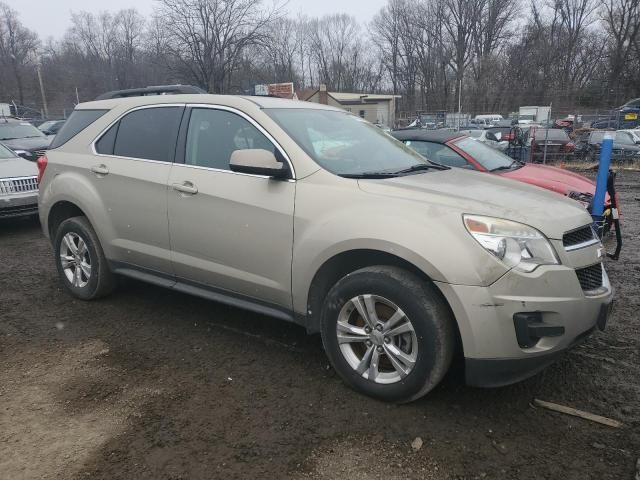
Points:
(77, 121)
(215, 134)
(149, 133)
(551, 134)
(107, 141)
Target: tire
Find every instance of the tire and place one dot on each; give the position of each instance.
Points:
(85, 283)
(428, 340)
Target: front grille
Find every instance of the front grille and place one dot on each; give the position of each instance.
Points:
(590, 278)
(579, 236)
(13, 186)
(38, 153)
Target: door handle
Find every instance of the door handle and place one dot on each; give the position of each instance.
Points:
(100, 169)
(185, 187)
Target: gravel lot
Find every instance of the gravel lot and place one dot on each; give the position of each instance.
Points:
(152, 384)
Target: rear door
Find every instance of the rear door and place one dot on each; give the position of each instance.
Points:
(130, 173)
(230, 231)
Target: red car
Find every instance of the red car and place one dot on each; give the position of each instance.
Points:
(457, 150)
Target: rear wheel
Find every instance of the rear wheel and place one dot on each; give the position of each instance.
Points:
(388, 333)
(80, 261)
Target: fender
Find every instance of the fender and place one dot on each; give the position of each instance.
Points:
(71, 186)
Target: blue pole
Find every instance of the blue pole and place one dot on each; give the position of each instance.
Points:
(603, 175)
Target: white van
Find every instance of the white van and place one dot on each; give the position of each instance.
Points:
(488, 120)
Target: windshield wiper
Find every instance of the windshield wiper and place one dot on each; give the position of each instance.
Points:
(505, 167)
(369, 175)
(421, 167)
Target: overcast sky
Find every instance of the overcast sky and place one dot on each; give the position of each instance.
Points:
(51, 17)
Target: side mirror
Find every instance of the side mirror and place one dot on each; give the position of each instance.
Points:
(258, 162)
(23, 153)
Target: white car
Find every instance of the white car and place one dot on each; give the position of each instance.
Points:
(635, 135)
(488, 138)
(18, 185)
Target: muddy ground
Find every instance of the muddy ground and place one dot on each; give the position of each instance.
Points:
(152, 384)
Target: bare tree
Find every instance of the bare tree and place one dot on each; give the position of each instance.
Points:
(18, 46)
(622, 23)
(207, 37)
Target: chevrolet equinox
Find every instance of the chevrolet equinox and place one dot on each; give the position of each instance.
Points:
(310, 214)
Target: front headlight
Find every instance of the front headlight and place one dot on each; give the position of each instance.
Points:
(519, 246)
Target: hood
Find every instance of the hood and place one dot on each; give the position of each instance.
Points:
(36, 143)
(465, 191)
(17, 167)
(552, 178)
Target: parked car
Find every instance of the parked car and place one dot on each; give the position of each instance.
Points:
(392, 258)
(624, 146)
(18, 185)
(505, 133)
(635, 103)
(51, 127)
(488, 138)
(634, 133)
(456, 150)
(23, 138)
(549, 143)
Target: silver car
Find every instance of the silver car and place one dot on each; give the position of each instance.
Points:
(309, 214)
(18, 185)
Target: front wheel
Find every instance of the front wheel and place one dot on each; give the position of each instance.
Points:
(388, 333)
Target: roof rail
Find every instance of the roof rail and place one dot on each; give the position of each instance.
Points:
(155, 90)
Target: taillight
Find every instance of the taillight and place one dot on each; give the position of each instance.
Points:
(42, 166)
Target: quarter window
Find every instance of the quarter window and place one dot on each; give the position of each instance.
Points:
(215, 134)
(149, 134)
(107, 141)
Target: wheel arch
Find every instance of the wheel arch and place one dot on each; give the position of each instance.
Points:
(59, 212)
(343, 263)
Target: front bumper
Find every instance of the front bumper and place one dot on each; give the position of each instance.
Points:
(494, 355)
(18, 205)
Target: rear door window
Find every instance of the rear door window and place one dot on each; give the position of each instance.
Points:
(77, 122)
(148, 134)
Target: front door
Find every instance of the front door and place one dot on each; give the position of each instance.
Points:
(228, 230)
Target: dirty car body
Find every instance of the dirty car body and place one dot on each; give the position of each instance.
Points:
(309, 214)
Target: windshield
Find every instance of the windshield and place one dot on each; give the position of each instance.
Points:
(551, 134)
(488, 157)
(11, 131)
(47, 125)
(6, 153)
(621, 137)
(343, 143)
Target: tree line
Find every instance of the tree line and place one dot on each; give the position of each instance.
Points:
(477, 55)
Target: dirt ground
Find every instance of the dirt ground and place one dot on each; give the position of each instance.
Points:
(152, 384)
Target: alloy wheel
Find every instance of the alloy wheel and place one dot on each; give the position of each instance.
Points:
(377, 339)
(75, 260)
